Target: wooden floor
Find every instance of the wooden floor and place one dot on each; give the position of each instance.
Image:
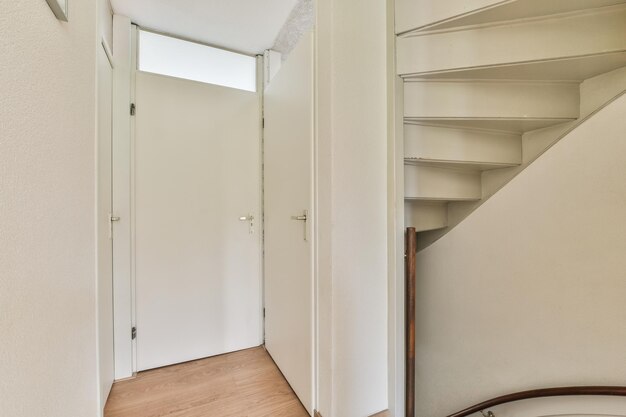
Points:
(240, 384)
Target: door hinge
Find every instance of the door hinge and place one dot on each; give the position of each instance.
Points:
(263, 123)
(263, 312)
(133, 333)
(133, 109)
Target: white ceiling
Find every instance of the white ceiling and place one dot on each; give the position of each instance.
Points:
(248, 26)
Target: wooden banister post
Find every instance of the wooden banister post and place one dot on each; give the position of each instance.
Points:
(410, 252)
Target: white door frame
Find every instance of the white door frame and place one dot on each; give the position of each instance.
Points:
(395, 225)
(126, 48)
(104, 286)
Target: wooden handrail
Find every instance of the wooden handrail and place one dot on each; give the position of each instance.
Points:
(541, 393)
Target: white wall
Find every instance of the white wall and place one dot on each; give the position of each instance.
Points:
(352, 192)
(47, 195)
(528, 291)
(105, 21)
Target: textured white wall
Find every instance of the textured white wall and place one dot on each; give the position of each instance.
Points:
(47, 248)
(300, 21)
(352, 163)
(528, 291)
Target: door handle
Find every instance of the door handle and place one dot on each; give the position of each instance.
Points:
(248, 218)
(112, 219)
(303, 218)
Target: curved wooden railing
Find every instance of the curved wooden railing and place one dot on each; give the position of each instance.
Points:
(540, 393)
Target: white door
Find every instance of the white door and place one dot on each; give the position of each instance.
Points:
(197, 265)
(105, 243)
(288, 237)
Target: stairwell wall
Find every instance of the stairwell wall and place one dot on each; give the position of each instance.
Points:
(528, 291)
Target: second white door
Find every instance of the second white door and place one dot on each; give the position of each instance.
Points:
(289, 220)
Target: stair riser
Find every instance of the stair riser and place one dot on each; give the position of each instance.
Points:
(557, 38)
(428, 15)
(416, 13)
(425, 216)
(508, 100)
(568, 69)
(444, 144)
(441, 184)
(596, 91)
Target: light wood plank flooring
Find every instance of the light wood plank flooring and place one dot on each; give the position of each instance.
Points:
(240, 384)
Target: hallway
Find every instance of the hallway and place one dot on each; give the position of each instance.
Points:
(240, 384)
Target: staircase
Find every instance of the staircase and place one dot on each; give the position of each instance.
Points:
(491, 85)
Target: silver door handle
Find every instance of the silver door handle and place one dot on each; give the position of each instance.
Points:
(248, 218)
(303, 218)
(112, 219)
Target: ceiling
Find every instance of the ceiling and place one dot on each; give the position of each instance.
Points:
(248, 26)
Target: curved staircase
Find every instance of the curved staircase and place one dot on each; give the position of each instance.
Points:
(491, 85)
